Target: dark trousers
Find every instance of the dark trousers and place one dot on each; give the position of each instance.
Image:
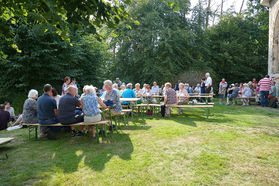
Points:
(264, 98)
(47, 122)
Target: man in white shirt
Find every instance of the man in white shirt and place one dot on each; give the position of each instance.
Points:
(208, 83)
(155, 88)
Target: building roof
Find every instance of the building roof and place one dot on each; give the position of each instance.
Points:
(266, 3)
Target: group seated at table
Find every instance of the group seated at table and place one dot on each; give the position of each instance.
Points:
(70, 108)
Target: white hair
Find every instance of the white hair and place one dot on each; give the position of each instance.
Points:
(32, 93)
(84, 88)
(71, 87)
(207, 74)
(108, 83)
(130, 85)
(90, 89)
(115, 85)
(137, 84)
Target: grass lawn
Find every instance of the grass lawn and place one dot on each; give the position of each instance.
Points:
(236, 145)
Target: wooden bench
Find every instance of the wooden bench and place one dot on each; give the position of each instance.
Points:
(249, 98)
(34, 127)
(5, 140)
(206, 106)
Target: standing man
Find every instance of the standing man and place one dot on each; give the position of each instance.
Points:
(118, 82)
(47, 112)
(265, 87)
(208, 83)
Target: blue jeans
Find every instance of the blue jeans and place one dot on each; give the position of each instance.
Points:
(47, 122)
(264, 98)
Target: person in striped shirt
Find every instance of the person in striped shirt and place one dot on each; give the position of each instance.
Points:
(265, 87)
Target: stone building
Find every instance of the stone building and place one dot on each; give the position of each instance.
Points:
(273, 51)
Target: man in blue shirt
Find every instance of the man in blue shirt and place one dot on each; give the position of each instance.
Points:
(128, 93)
(47, 111)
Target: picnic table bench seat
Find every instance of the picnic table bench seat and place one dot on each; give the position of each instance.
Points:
(5, 140)
(34, 126)
(206, 106)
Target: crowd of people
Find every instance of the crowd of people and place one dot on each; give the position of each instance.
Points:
(70, 107)
(264, 92)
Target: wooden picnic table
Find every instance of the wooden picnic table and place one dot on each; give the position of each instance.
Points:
(5, 140)
(129, 99)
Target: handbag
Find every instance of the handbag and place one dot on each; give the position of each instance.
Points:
(108, 103)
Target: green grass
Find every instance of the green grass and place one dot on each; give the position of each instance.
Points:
(236, 145)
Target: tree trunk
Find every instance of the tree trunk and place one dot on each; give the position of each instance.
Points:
(207, 13)
(241, 6)
(222, 6)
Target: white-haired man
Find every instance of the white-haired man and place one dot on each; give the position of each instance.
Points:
(208, 83)
(67, 114)
(111, 98)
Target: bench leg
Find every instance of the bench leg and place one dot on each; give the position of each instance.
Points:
(97, 134)
(207, 113)
(105, 129)
(36, 132)
(29, 131)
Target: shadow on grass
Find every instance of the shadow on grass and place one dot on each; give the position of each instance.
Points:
(91, 155)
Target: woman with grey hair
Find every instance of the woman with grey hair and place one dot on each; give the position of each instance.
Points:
(29, 114)
(111, 98)
(89, 105)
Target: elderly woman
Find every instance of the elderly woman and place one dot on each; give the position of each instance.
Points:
(122, 89)
(170, 98)
(115, 86)
(29, 114)
(246, 93)
(89, 105)
(137, 90)
(182, 96)
(111, 98)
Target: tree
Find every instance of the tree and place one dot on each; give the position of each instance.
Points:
(160, 47)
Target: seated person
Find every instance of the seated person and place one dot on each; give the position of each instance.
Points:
(89, 105)
(68, 114)
(56, 96)
(170, 98)
(29, 114)
(232, 92)
(47, 112)
(139, 93)
(4, 117)
(246, 93)
(183, 97)
(11, 110)
(122, 89)
(197, 90)
(128, 93)
(149, 93)
(155, 88)
(272, 95)
(111, 98)
(115, 86)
